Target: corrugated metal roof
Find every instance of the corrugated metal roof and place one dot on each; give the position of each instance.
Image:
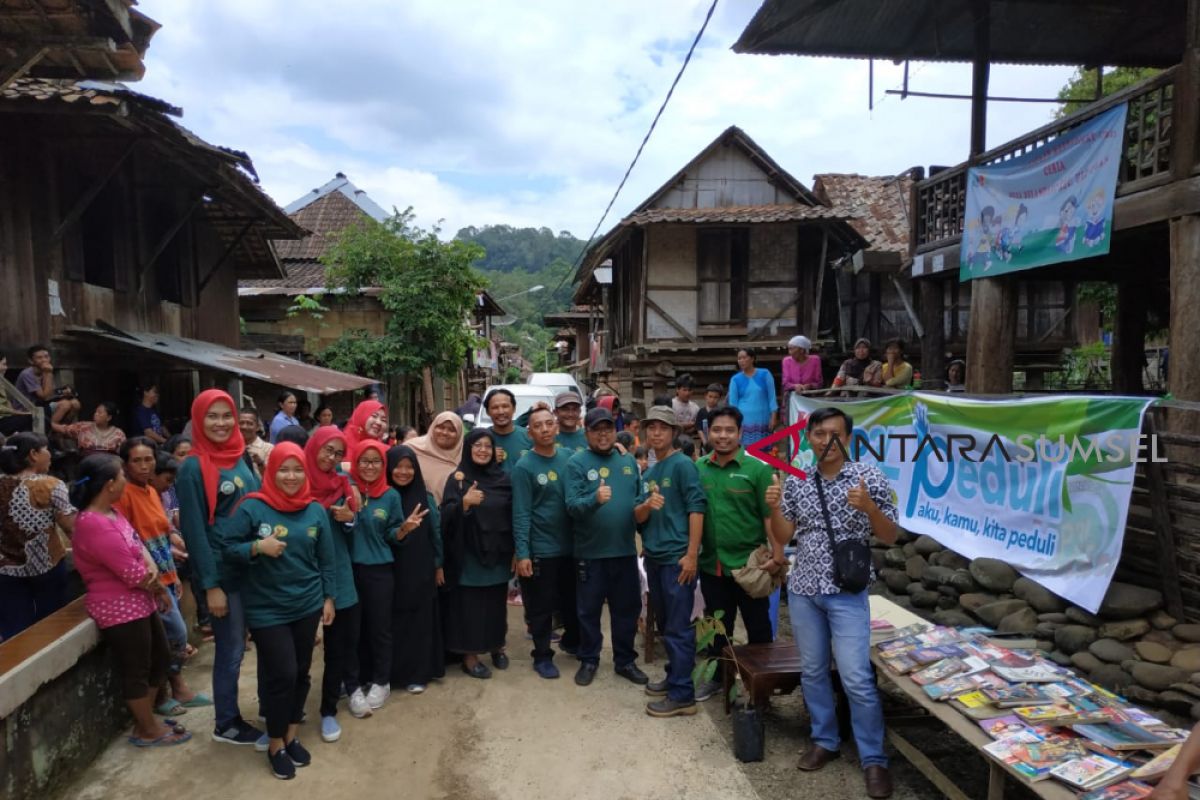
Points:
(1073, 32)
(258, 365)
(735, 214)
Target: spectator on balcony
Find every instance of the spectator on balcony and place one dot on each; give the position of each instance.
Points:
(146, 421)
(896, 372)
(98, 436)
(801, 371)
(37, 383)
(956, 375)
(861, 370)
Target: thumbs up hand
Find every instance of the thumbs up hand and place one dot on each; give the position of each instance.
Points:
(473, 497)
(774, 494)
(604, 493)
(655, 500)
(859, 498)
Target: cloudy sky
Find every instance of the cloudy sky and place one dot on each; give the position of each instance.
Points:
(528, 112)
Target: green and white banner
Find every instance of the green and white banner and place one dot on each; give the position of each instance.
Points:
(1042, 483)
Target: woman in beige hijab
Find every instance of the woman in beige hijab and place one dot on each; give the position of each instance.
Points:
(439, 451)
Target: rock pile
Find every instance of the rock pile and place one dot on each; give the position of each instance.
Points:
(1131, 646)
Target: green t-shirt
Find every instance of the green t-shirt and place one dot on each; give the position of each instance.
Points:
(603, 530)
(344, 593)
(204, 541)
(515, 444)
(375, 529)
(665, 533)
(737, 506)
(276, 591)
(541, 526)
(573, 442)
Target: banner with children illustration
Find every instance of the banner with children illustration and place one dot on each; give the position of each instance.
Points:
(1042, 483)
(1051, 205)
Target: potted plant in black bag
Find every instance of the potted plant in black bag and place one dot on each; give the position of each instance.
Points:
(748, 733)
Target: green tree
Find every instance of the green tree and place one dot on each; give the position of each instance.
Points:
(1081, 88)
(427, 285)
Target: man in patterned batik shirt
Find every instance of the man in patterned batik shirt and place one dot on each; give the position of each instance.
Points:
(826, 620)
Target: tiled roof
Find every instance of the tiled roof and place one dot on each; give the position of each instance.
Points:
(326, 217)
(735, 214)
(877, 206)
(341, 185)
(304, 275)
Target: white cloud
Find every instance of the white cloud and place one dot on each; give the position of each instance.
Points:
(528, 113)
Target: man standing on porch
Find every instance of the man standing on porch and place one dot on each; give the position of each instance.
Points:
(670, 515)
(847, 500)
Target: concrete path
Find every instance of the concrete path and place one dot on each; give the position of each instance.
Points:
(514, 737)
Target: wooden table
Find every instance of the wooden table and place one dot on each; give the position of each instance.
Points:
(966, 728)
(766, 669)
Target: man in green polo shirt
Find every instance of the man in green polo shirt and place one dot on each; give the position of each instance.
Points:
(739, 489)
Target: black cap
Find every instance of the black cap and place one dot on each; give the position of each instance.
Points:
(597, 416)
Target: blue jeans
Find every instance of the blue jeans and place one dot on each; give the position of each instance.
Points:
(673, 607)
(24, 601)
(615, 580)
(838, 625)
(229, 633)
(176, 630)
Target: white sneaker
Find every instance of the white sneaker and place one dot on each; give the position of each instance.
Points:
(415, 688)
(378, 695)
(359, 707)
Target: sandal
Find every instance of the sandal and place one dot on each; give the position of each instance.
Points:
(174, 725)
(166, 740)
(198, 701)
(189, 651)
(170, 708)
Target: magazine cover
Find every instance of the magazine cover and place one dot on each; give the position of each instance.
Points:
(1085, 773)
(939, 671)
(1001, 727)
(1125, 790)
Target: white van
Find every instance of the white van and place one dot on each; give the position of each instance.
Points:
(557, 382)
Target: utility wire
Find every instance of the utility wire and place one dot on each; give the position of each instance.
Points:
(641, 147)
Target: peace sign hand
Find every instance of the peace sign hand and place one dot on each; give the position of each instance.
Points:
(412, 523)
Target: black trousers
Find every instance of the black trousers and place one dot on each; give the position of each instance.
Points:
(615, 580)
(551, 589)
(376, 589)
(284, 657)
(341, 657)
(140, 650)
(723, 592)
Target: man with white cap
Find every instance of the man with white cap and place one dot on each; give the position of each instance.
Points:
(801, 371)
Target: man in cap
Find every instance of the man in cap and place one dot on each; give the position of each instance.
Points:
(602, 488)
(544, 542)
(670, 515)
(801, 371)
(568, 408)
(743, 494)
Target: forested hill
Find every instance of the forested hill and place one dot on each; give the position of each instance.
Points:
(530, 249)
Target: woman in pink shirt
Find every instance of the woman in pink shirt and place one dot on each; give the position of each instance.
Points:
(122, 584)
(801, 371)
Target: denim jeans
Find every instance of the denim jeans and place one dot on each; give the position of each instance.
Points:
(673, 607)
(615, 580)
(24, 601)
(229, 632)
(176, 630)
(838, 625)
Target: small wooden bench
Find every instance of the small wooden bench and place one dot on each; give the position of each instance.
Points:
(766, 669)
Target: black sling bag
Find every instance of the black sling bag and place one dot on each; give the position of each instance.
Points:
(851, 557)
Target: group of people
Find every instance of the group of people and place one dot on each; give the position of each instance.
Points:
(395, 552)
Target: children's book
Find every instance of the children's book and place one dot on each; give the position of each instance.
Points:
(1121, 736)
(951, 687)
(1046, 755)
(939, 671)
(1001, 727)
(1125, 790)
(1090, 772)
(1005, 751)
(1020, 695)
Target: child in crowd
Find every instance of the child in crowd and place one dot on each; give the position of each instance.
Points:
(123, 594)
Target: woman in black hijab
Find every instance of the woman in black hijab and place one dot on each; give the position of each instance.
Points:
(417, 567)
(477, 531)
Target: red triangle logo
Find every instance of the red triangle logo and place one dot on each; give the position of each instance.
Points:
(791, 434)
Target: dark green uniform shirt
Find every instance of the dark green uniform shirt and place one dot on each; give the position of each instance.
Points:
(573, 442)
(276, 591)
(375, 529)
(603, 530)
(515, 444)
(665, 533)
(737, 506)
(344, 593)
(541, 526)
(204, 541)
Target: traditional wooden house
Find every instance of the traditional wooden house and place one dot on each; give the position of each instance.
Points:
(119, 223)
(273, 321)
(732, 251)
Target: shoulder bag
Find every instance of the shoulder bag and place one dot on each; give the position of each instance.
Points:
(851, 557)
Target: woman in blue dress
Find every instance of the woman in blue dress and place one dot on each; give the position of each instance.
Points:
(752, 391)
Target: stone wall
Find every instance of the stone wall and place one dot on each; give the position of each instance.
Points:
(1132, 646)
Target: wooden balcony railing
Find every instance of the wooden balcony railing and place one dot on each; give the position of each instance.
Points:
(941, 199)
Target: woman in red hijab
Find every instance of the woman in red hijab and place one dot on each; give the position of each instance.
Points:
(369, 421)
(326, 448)
(211, 482)
(283, 538)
